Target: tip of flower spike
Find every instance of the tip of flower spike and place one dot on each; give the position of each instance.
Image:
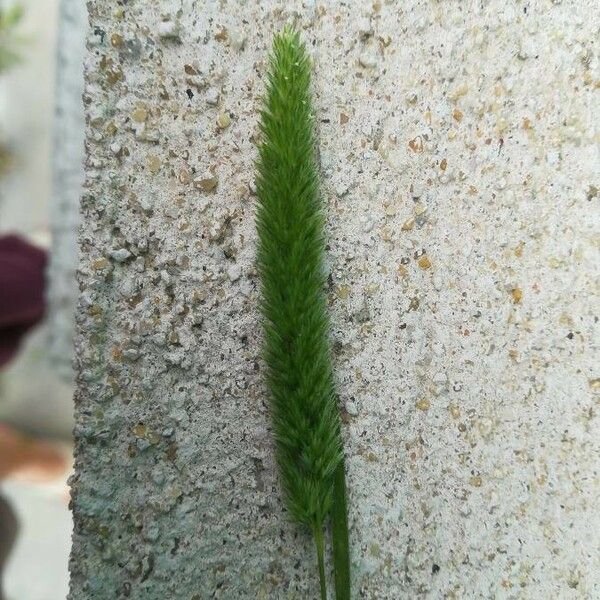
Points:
(289, 30)
(289, 36)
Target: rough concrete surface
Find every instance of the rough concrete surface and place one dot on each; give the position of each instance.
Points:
(459, 152)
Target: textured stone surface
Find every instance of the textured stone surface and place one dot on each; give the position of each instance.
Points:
(460, 170)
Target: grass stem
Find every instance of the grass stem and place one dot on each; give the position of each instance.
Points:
(320, 545)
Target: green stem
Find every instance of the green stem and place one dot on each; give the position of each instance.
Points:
(318, 533)
(339, 532)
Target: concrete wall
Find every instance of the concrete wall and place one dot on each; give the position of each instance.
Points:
(67, 162)
(458, 144)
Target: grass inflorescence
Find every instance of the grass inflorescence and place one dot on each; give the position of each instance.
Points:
(299, 372)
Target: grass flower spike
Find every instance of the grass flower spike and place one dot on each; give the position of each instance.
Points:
(299, 371)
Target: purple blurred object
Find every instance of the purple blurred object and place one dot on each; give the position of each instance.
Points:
(22, 299)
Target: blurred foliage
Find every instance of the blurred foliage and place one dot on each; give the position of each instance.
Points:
(9, 20)
(9, 41)
(6, 159)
